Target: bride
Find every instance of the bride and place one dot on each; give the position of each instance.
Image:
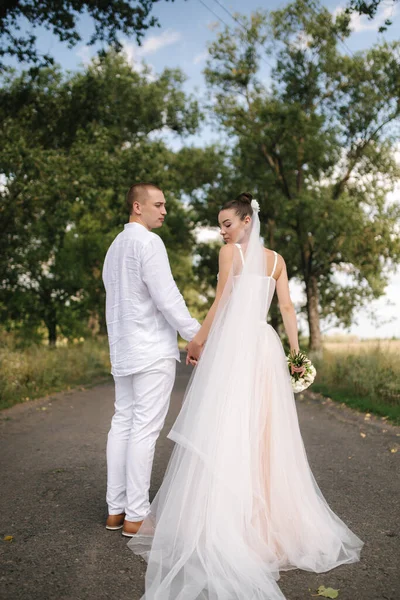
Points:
(239, 502)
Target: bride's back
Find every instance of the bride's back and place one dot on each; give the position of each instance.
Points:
(271, 258)
(265, 286)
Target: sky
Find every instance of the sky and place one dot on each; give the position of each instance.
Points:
(187, 27)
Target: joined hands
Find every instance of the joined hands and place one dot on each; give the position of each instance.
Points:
(193, 350)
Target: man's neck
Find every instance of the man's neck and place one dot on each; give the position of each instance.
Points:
(139, 222)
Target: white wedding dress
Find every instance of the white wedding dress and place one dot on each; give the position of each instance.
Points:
(239, 502)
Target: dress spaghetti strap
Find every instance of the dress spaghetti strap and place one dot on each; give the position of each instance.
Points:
(241, 252)
(275, 261)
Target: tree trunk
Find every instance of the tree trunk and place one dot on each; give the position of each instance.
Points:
(315, 343)
(52, 329)
(51, 324)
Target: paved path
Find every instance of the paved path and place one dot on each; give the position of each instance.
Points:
(52, 455)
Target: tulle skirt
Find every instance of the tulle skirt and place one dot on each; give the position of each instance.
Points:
(238, 502)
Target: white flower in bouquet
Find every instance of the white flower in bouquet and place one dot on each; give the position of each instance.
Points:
(297, 387)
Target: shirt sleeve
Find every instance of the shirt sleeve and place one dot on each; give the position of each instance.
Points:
(156, 273)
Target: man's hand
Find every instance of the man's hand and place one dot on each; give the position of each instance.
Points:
(193, 350)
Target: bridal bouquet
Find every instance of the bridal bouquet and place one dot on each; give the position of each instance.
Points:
(302, 371)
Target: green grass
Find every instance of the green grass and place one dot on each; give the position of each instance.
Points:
(38, 370)
(368, 381)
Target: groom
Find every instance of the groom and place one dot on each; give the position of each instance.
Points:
(144, 311)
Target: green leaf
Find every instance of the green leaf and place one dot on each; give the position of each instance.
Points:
(327, 592)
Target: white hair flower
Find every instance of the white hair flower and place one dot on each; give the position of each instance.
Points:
(255, 206)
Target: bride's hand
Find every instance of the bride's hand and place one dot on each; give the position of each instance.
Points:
(193, 350)
(191, 361)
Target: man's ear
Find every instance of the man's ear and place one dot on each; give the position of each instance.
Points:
(137, 209)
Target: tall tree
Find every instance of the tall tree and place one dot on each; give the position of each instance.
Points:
(110, 19)
(316, 143)
(72, 145)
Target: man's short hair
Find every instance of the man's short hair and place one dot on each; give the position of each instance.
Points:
(138, 192)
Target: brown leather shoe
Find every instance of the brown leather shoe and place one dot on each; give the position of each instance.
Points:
(115, 522)
(131, 528)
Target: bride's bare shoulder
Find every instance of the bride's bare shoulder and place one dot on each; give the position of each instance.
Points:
(270, 259)
(226, 250)
(226, 253)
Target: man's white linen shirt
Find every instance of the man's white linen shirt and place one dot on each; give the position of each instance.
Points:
(144, 308)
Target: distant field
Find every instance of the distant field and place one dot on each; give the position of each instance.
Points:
(363, 346)
(363, 374)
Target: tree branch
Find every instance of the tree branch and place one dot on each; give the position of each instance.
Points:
(340, 185)
(277, 168)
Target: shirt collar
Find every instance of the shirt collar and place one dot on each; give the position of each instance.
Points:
(133, 224)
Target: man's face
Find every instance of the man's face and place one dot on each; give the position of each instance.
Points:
(153, 210)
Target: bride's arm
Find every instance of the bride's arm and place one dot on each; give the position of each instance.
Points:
(225, 263)
(286, 307)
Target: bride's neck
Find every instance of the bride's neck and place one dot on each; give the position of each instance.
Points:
(244, 242)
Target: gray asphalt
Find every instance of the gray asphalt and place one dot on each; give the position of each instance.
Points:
(53, 476)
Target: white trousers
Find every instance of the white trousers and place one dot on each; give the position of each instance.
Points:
(141, 405)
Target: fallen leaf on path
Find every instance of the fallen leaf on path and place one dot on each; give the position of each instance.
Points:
(329, 592)
(8, 538)
(393, 450)
(363, 435)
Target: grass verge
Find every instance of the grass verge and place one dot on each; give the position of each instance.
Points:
(38, 370)
(368, 381)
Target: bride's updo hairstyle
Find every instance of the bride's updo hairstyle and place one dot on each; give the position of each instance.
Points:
(241, 205)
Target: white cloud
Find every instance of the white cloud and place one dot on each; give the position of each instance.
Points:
(360, 23)
(85, 54)
(199, 58)
(155, 42)
(135, 60)
(130, 51)
(135, 54)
